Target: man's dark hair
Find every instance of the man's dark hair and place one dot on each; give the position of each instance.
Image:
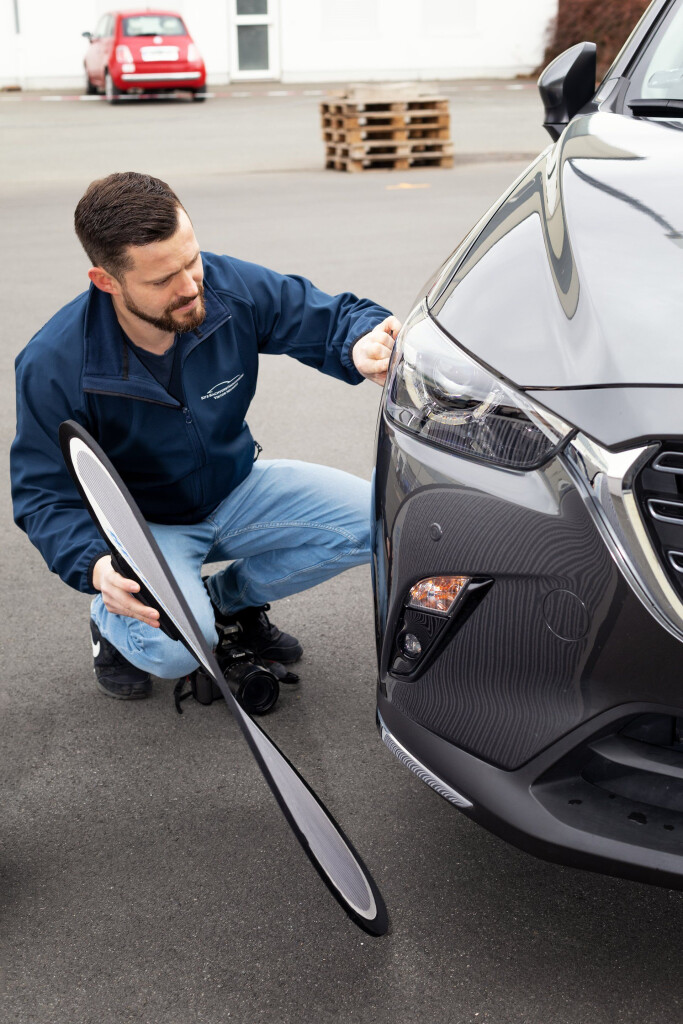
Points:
(121, 210)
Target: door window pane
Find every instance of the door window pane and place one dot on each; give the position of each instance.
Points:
(252, 6)
(252, 47)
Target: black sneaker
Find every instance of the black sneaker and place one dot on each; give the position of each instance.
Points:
(258, 633)
(114, 675)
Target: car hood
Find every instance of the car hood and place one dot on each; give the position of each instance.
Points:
(574, 280)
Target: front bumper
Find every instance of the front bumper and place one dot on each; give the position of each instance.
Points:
(544, 696)
(547, 807)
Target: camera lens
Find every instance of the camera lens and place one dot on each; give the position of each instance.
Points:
(255, 688)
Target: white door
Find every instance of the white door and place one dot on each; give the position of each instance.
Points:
(254, 42)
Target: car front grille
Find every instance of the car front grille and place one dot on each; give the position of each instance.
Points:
(659, 492)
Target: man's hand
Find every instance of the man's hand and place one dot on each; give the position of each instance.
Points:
(372, 353)
(116, 593)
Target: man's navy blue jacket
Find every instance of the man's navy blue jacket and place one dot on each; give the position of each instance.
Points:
(179, 459)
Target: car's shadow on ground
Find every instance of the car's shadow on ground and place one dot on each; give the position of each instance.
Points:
(476, 892)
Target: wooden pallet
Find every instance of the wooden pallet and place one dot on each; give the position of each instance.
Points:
(383, 92)
(398, 110)
(384, 132)
(384, 162)
(386, 126)
(387, 120)
(389, 148)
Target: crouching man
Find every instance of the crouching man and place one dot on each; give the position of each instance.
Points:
(158, 360)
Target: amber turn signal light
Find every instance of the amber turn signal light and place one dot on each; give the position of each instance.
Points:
(438, 593)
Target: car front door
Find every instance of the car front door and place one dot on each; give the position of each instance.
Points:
(94, 58)
(107, 41)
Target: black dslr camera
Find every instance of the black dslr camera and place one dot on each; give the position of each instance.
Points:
(254, 683)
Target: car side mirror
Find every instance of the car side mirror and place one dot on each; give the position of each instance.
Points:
(88, 36)
(566, 85)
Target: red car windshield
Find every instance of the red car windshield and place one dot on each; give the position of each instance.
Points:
(153, 25)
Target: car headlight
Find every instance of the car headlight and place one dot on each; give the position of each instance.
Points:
(442, 395)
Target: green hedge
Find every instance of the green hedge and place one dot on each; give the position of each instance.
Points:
(607, 23)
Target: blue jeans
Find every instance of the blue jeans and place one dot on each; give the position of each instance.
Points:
(287, 527)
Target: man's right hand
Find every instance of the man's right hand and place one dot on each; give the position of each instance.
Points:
(117, 593)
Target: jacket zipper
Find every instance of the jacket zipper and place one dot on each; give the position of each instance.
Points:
(199, 454)
(133, 398)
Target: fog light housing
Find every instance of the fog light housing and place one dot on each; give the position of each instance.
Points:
(410, 645)
(437, 593)
(431, 608)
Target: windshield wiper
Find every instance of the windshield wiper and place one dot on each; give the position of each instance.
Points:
(643, 107)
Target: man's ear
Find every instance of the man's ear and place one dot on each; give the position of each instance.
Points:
(104, 281)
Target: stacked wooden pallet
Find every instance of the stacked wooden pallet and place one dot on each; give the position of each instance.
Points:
(386, 128)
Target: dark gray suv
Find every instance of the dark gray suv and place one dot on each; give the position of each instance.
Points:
(529, 487)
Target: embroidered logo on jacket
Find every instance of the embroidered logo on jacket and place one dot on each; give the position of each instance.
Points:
(224, 388)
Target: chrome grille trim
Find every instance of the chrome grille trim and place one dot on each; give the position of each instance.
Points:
(672, 556)
(605, 480)
(406, 758)
(657, 464)
(664, 518)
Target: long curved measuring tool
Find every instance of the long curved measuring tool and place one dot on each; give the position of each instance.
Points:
(137, 556)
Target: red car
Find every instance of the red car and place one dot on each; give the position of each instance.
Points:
(142, 51)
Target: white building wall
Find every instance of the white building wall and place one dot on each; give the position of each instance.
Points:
(342, 40)
(319, 40)
(49, 47)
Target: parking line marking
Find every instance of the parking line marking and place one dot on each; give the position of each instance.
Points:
(407, 184)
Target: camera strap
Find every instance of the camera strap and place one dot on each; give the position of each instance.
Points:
(201, 687)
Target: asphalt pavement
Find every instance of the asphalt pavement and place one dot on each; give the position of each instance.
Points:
(146, 874)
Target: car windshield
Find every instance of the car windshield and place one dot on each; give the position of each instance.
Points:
(659, 74)
(153, 25)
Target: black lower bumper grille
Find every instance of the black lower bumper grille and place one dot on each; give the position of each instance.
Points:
(626, 786)
(659, 492)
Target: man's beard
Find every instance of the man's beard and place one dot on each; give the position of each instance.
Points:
(166, 321)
